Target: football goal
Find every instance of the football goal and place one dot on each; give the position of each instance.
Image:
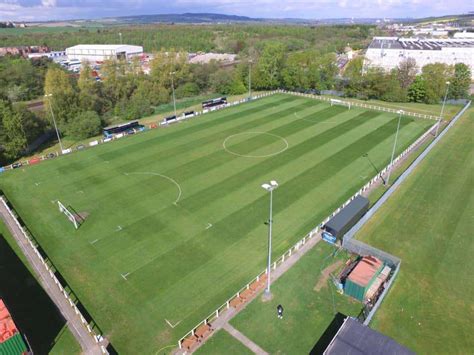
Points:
(71, 216)
(340, 103)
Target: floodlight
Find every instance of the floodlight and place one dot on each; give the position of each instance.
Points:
(274, 183)
(267, 187)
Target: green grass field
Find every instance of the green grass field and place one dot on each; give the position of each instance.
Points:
(308, 312)
(223, 343)
(428, 224)
(176, 216)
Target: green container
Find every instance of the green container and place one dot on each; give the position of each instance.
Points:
(13, 346)
(357, 291)
(354, 290)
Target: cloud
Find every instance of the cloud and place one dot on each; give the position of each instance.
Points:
(29, 10)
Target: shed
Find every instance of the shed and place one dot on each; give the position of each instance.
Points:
(347, 217)
(362, 277)
(355, 338)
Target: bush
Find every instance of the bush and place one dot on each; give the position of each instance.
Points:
(187, 90)
(84, 125)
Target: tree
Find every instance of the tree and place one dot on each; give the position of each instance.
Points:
(63, 99)
(460, 82)
(89, 99)
(12, 135)
(406, 72)
(86, 124)
(435, 77)
(417, 90)
(269, 66)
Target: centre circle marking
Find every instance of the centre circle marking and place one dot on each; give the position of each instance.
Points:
(255, 156)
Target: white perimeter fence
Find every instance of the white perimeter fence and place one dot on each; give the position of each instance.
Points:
(360, 104)
(97, 338)
(315, 231)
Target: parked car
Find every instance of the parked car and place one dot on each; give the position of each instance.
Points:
(80, 146)
(16, 165)
(50, 155)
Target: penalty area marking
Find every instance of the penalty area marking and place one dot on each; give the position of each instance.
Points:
(124, 276)
(172, 325)
(94, 241)
(119, 228)
(165, 347)
(209, 225)
(255, 156)
(163, 176)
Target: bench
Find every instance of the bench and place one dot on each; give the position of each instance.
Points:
(189, 342)
(203, 330)
(236, 302)
(246, 294)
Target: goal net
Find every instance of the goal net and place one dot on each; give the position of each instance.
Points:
(69, 214)
(340, 103)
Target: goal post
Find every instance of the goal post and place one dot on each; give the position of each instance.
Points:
(340, 103)
(69, 214)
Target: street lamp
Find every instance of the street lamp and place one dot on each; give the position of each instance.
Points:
(54, 120)
(250, 79)
(269, 187)
(120, 35)
(174, 98)
(442, 108)
(400, 112)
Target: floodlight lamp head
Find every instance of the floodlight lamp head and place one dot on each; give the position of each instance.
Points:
(267, 187)
(447, 83)
(274, 183)
(400, 111)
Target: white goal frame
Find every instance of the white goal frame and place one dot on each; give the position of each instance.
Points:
(340, 103)
(69, 215)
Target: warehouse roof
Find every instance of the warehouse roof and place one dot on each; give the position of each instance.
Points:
(115, 47)
(419, 44)
(354, 338)
(340, 220)
(365, 270)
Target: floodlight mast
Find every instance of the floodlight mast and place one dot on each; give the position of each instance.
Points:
(269, 187)
(54, 121)
(174, 97)
(442, 108)
(400, 113)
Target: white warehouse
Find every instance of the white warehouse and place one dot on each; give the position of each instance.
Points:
(100, 52)
(388, 52)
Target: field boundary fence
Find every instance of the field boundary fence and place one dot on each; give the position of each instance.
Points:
(50, 269)
(362, 105)
(348, 244)
(52, 155)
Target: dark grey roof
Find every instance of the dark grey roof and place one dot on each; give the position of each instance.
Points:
(418, 44)
(354, 338)
(347, 216)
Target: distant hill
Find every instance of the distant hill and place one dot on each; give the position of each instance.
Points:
(183, 18)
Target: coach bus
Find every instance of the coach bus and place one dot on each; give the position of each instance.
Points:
(214, 102)
(125, 128)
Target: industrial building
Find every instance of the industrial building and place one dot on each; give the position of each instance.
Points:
(388, 52)
(101, 52)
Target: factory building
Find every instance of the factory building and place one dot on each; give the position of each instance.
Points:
(101, 52)
(388, 52)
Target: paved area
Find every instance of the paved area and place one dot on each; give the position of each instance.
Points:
(244, 340)
(85, 340)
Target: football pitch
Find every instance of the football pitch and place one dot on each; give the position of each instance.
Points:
(175, 216)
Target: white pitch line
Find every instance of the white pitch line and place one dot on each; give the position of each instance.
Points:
(209, 225)
(119, 228)
(255, 156)
(363, 177)
(125, 276)
(37, 183)
(80, 192)
(171, 325)
(94, 241)
(163, 176)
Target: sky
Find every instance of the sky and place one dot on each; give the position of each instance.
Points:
(45, 10)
